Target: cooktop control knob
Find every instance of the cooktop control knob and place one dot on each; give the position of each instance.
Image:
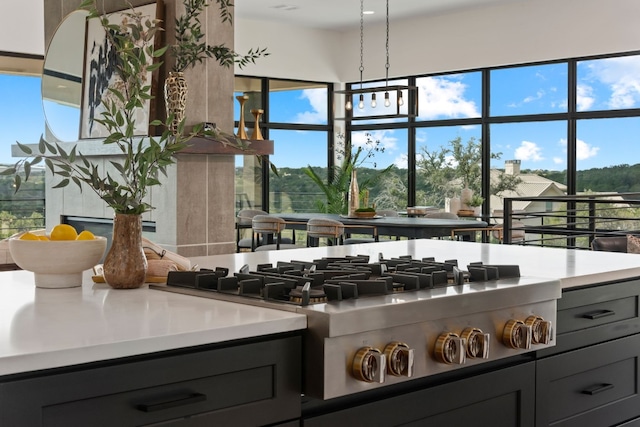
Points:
(516, 334)
(540, 329)
(450, 349)
(399, 359)
(369, 365)
(477, 343)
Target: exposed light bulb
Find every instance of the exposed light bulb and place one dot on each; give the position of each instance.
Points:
(348, 106)
(400, 98)
(387, 102)
(374, 104)
(361, 103)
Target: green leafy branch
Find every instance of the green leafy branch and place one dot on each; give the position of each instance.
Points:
(143, 158)
(191, 47)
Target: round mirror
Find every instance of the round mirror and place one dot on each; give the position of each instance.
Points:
(62, 78)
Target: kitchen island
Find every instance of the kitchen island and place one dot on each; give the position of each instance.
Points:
(67, 353)
(77, 351)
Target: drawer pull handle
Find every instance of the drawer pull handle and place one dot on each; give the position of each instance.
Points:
(598, 314)
(596, 389)
(172, 402)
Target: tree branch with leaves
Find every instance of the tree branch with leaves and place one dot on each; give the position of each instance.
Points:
(191, 47)
(143, 159)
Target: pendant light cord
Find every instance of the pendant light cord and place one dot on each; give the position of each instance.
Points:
(362, 40)
(387, 47)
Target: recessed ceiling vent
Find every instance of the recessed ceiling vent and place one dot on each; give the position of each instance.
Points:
(286, 7)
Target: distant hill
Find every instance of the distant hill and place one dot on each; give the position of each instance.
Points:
(618, 179)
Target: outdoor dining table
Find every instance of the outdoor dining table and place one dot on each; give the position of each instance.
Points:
(412, 228)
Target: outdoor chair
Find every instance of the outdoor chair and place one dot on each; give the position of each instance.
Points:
(270, 229)
(330, 229)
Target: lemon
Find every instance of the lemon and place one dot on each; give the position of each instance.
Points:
(28, 236)
(43, 238)
(63, 232)
(85, 235)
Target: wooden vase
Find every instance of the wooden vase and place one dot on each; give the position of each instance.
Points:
(125, 266)
(256, 130)
(175, 98)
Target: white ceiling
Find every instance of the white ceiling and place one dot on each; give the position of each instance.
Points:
(345, 14)
(336, 15)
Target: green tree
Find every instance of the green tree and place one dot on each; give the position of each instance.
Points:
(454, 167)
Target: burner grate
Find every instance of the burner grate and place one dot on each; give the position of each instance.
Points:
(335, 279)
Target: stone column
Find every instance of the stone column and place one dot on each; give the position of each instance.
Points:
(194, 212)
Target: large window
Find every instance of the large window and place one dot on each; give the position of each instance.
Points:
(608, 83)
(607, 153)
(527, 90)
(439, 152)
(21, 116)
(21, 119)
(450, 96)
(296, 118)
(561, 127)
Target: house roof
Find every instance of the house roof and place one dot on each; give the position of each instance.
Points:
(531, 185)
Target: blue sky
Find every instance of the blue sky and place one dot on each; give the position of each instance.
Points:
(603, 85)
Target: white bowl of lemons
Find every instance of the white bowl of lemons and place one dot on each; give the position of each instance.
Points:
(57, 258)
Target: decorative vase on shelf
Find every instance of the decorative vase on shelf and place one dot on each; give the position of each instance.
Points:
(175, 97)
(257, 135)
(125, 266)
(242, 132)
(465, 196)
(454, 205)
(354, 194)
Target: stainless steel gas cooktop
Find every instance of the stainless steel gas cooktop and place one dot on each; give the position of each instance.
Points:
(373, 323)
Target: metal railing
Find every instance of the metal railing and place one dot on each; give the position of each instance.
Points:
(571, 221)
(20, 214)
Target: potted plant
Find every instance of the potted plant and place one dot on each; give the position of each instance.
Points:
(191, 48)
(141, 159)
(475, 202)
(336, 185)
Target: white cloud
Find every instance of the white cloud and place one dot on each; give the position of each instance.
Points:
(445, 98)
(529, 151)
(622, 75)
(401, 161)
(538, 96)
(558, 160)
(318, 100)
(585, 151)
(584, 97)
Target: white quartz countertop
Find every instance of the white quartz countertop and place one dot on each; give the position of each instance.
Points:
(48, 328)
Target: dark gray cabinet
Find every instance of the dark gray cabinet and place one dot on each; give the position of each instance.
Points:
(247, 383)
(503, 398)
(592, 376)
(594, 386)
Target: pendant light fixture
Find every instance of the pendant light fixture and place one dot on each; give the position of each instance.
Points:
(412, 91)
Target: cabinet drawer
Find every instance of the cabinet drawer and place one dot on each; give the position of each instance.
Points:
(590, 316)
(596, 314)
(168, 402)
(594, 386)
(252, 382)
(501, 398)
